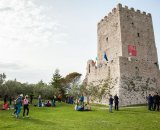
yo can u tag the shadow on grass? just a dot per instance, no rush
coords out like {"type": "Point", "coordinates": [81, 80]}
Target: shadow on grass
{"type": "Point", "coordinates": [38, 121]}
{"type": "Point", "coordinates": [132, 111]}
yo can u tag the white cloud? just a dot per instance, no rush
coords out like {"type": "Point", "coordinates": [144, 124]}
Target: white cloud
{"type": "Point", "coordinates": [24, 24]}
{"type": "Point", "coordinates": [27, 36]}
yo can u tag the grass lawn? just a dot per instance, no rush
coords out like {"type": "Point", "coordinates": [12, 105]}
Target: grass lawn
{"type": "Point", "coordinates": [64, 117]}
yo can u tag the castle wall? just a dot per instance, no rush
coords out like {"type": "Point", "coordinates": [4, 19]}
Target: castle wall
{"type": "Point", "coordinates": [98, 75]}
{"type": "Point", "coordinates": [137, 30]}
{"type": "Point", "coordinates": [109, 36]}
{"type": "Point", "coordinates": [137, 80]}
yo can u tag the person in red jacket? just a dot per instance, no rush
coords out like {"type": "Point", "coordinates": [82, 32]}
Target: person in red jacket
{"type": "Point", "coordinates": [5, 106]}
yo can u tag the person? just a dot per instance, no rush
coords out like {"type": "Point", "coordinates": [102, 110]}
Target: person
{"type": "Point", "coordinates": [156, 100]}
{"type": "Point", "coordinates": [18, 105]}
{"type": "Point", "coordinates": [79, 107]}
{"type": "Point", "coordinates": [39, 101]}
{"type": "Point", "coordinates": [48, 104]}
{"type": "Point", "coordinates": [25, 106]}
{"type": "Point", "coordinates": [15, 107]}
{"type": "Point", "coordinates": [5, 106]}
{"type": "Point", "coordinates": [150, 102]}
{"type": "Point", "coordinates": [110, 103]}
{"type": "Point", "coordinates": [10, 100]}
{"type": "Point", "coordinates": [5, 98]}
{"type": "Point", "coordinates": [82, 99]}
{"type": "Point", "coordinates": [31, 98]}
{"type": "Point", "coordinates": [59, 98]}
{"type": "Point", "coordinates": [53, 101]}
{"type": "Point", "coordinates": [116, 102]}
{"type": "Point", "coordinates": [87, 107]}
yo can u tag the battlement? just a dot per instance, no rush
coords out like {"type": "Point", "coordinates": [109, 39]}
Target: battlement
{"type": "Point", "coordinates": [121, 8]}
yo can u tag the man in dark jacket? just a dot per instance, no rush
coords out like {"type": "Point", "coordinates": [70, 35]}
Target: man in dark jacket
{"type": "Point", "coordinates": [110, 103]}
{"type": "Point", "coordinates": [156, 102]}
{"type": "Point", "coordinates": [116, 102]}
{"type": "Point", "coordinates": [150, 102]}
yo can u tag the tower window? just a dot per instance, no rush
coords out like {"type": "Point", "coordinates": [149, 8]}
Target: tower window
{"type": "Point", "coordinates": [138, 35]}
{"type": "Point", "coordinates": [107, 39]}
{"type": "Point", "coordinates": [132, 23]}
{"type": "Point", "coordinates": [89, 68]}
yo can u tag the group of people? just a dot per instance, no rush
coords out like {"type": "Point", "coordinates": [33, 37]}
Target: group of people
{"type": "Point", "coordinates": [69, 99]}
{"type": "Point", "coordinates": [48, 103]}
{"type": "Point", "coordinates": [18, 102]}
{"type": "Point", "coordinates": [153, 102]}
{"type": "Point", "coordinates": [116, 102]}
{"type": "Point", "coordinates": [80, 106]}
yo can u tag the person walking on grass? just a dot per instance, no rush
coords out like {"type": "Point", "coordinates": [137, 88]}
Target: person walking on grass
{"type": "Point", "coordinates": [18, 105]}
{"type": "Point", "coordinates": [25, 106]}
{"type": "Point", "coordinates": [110, 103]}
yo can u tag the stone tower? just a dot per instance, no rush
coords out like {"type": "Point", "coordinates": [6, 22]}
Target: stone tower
{"type": "Point", "coordinates": [126, 53]}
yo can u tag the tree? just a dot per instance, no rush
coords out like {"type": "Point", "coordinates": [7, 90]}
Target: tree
{"type": "Point", "coordinates": [72, 83]}
{"type": "Point", "coordinates": [100, 90]}
{"type": "Point", "coordinates": [57, 83]}
{"type": "Point", "coordinates": [2, 78]}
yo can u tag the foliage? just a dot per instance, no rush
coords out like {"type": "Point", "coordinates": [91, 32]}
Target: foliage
{"type": "Point", "coordinates": [72, 83]}
{"type": "Point", "coordinates": [2, 78]}
{"type": "Point", "coordinates": [100, 90]}
{"type": "Point", "coordinates": [58, 85]}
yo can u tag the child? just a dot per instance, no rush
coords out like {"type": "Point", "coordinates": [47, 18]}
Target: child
{"type": "Point", "coordinates": [25, 106]}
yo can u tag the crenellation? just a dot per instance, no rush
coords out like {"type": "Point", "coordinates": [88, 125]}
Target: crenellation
{"type": "Point", "coordinates": [126, 7]}
{"type": "Point", "coordinates": [102, 20]}
{"type": "Point", "coordinates": [149, 14]}
{"type": "Point", "coordinates": [138, 11]}
{"type": "Point", "coordinates": [113, 10]}
{"type": "Point", "coordinates": [132, 9]}
{"type": "Point", "coordinates": [105, 18]}
{"type": "Point", "coordinates": [144, 13]}
{"type": "Point", "coordinates": [119, 7]}
{"type": "Point", "coordinates": [109, 15]}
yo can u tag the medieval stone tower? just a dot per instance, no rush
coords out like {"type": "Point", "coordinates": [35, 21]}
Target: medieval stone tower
{"type": "Point", "coordinates": [127, 54]}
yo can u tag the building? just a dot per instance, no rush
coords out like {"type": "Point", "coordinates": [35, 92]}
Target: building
{"type": "Point", "coordinates": [127, 54]}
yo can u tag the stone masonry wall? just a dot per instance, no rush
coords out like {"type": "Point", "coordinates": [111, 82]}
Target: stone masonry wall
{"type": "Point", "coordinates": [109, 36]}
{"type": "Point", "coordinates": [138, 79]}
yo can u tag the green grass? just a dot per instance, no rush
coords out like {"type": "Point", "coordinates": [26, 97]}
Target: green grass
{"type": "Point", "coordinates": [64, 117]}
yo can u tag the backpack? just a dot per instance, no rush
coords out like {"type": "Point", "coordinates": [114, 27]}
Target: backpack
{"type": "Point", "coordinates": [18, 101]}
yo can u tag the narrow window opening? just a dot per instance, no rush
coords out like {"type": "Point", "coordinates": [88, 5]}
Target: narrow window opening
{"type": "Point", "coordinates": [138, 34]}
{"type": "Point", "coordinates": [107, 39]}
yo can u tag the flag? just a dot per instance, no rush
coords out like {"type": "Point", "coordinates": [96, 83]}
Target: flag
{"type": "Point", "coordinates": [96, 58]}
{"type": "Point", "coordinates": [105, 57]}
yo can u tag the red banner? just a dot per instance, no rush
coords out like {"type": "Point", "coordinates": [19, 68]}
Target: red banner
{"type": "Point", "coordinates": [132, 50]}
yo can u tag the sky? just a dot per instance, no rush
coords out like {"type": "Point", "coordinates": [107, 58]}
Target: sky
{"type": "Point", "coordinates": [39, 36]}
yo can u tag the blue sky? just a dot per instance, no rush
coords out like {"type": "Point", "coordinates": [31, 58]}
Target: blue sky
{"type": "Point", "coordinates": [38, 36]}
